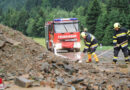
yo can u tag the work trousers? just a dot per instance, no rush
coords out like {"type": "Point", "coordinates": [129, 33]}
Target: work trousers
{"type": "Point", "coordinates": [92, 50]}
{"type": "Point", "coordinates": [124, 50]}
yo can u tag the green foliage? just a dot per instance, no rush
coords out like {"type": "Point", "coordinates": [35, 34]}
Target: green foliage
{"type": "Point", "coordinates": [41, 41]}
{"type": "Point", "coordinates": [11, 18]}
{"type": "Point", "coordinates": [23, 17]}
{"type": "Point", "coordinates": [100, 27]}
{"type": "Point", "coordinates": [92, 16]}
{"type": "Point", "coordinates": [15, 4]}
{"type": "Point", "coordinates": [32, 4]}
{"type": "Point", "coordinates": [107, 40]}
{"type": "Point", "coordinates": [29, 16]}
{"type": "Point", "coordinates": [31, 23]}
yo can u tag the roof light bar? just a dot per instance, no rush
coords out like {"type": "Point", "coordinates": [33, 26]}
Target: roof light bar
{"type": "Point", "coordinates": [65, 19]}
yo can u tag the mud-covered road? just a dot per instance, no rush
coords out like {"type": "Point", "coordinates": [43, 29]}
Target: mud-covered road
{"type": "Point", "coordinates": [105, 60]}
{"type": "Point", "coordinates": [20, 56]}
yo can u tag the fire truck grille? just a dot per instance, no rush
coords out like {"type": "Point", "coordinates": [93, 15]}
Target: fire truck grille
{"type": "Point", "coordinates": [69, 40]}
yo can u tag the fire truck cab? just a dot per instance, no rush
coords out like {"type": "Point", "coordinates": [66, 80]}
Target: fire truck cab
{"type": "Point", "coordinates": [62, 34]}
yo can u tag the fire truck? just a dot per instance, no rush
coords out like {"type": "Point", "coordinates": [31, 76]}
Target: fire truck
{"type": "Point", "coordinates": [63, 33]}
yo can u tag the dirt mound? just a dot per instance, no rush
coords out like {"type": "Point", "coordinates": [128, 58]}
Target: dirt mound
{"type": "Point", "coordinates": [20, 55]}
{"type": "Point", "coordinates": [17, 52]}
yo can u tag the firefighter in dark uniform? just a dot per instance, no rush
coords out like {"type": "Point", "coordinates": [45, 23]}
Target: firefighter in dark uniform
{"type": "Point", "coordinates": [120, 41]}
{"type": "Point", "coordinates": [90, 46]}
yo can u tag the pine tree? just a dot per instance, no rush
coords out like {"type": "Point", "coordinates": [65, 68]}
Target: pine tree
{"type": "Point", "coordinates": [100, 27]}
{"type": "Point", "coordinates": [30, 27]}
{"type": "Point", "coordinates": [121, 5]}
{"type": "Point", "coordinates": [108, 39]}
{"type": "Point", "coordinates": [1, 13]}
{"type": "Point", "coordinates": [92, 15]}
{"type": "Point", "coordinates": [23, 17]}
{"type": "Point", "coordinates": [113, 17]}
{"type": "Point", "coordinates": [11, 18]}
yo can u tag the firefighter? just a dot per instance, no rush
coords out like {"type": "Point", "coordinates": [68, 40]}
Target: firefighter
{"type": "Point", "coordinates": [90, 46]}
{"type": "Point", "coordinates": [85, 30]}
{"type": "Point", "coordinates": [120, 41]}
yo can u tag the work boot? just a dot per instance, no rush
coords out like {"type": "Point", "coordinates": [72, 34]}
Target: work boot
{"type": "Point", "coordinates": [127, 61]}
{"type": "Point", "coordinates": [95, 57]}
{"type": "Point", "coordinates": [89, 58]}
{"type": "Point", "coordinates": [114, 61]}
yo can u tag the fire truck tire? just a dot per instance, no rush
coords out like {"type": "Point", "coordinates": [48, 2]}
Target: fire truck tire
{"type": "Point", "coordinates": [77, 50]}
{"type": "Point", "coordinates": [47, 47]}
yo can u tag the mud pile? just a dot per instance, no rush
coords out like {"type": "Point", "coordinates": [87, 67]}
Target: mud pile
{"type": "Point", "coordinates": [17, 52]}
{"type": "Point", "coordinates": [20, 55]}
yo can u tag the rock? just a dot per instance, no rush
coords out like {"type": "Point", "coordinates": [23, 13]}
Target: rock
{"type": "Point", "coordinates": [94, 71]}
{"type": "Point", "coordinates": [36, 84]}
{"type": "Point", "coordinates": [45, 66]}
{"type": "Point", "coordinates": [60, 80]}
{"type": "Point", "coordinates": [43, 83]}
{"type": "Point", "coordinates": [109, 87]}
{"type": "Point", "coordinates": [15, 43]}
{"type": "Point", "coordinates": [69, 69]}
{"type": "Point", "coordinates": [2, 43]}
{"type": "Point", "coordinates": [67, 88]}
{"type": "Point", "coordinates": [23, 82]}
{"type": "Point", "coordinates": [77, 81]}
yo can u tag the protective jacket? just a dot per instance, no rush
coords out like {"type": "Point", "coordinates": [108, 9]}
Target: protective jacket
{"type": "Point", "coordinates": [120, 36]}
{"type": "Point", "coordinates": [90, 42]}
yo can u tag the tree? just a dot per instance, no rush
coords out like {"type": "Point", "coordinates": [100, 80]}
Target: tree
{"type": "Point", "coordinates": [23, 17]}
{"type": "Point", "coordinates": [1, 13]}
{"type": "Point", "coordinates": [121, 5]}
{"type": "Point", "coordinates": [11, 18]}
{"type": "Point", "coordinates": [113, 17]}
{"type": "Point", "coordinates": [108, 39]}
{"type": "Point", "coordinates": [92, 15]}
{"type": "Point", "coordinates": [32, 4]}
{"type": "Point", "coordinates": [100, 27]}
{"type": "Point", "coordinates": [30, 27]}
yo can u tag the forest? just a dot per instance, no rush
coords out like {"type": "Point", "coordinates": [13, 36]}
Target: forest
{"type": "Point", "coordinates": [29, 16]}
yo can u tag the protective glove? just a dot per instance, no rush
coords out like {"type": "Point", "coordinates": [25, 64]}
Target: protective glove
{"type": "Point", "coordinates": [85, 50]}
{"type": "Point", "coordinates": [117, 45]}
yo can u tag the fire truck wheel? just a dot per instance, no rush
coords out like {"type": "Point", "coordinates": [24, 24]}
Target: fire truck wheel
{"type": "Point", "coordinates": [77, 50]}
{"type": "Point", "coordinates": [52, 49]}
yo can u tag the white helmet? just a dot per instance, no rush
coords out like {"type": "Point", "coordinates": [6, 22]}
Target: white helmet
{"type": "Point", "coordinates": [117, 25]}
{"type": "Point", "coordinates": [85, 29]}
{"type": "Point", "coordinates": [83, 34]}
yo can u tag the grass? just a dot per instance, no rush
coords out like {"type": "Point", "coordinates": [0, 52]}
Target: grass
{"type": "Point", "coordinates": [41, 41]}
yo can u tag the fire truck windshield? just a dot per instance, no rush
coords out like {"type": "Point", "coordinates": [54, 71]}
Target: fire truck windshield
{"type": "Point", "coordinates": [65, 27]}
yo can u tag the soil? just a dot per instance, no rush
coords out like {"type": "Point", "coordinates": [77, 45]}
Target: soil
{"type": "Point", "coordinates": [21, 56]}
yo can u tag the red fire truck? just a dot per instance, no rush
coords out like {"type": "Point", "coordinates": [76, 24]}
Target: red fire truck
{"type": "Point", "coordinates": [62, 34]}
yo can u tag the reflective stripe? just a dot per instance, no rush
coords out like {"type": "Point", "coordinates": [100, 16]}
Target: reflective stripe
{"type": "Point", "coordinates": [128, 33]}
{"type": "Point", "coordinates": [125, 44]}
{"type": "Point", "coordinates": [114, 36]}
{"type": "Point", "coordinates": [121, 34]}
{"type": "Point", "coordinates": [92, 37]}
{"type": "Point", "coordinates": [115, 58]}
{"type": "Point", "coordinates": [114, 41]}
{"type": "Point", "coordinates": [86, 47]}
{"type": "Point", "coordinates": [93, 53]}
{"type": "Point", "coordinates": [95, 45]}
{"type": "Point", "coordinates": [126, 58]}
{"type": "Point", "coordinates": [88, 43]}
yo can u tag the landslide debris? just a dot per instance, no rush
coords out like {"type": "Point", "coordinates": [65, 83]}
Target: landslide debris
{"type": "Point", "coordinates": [21, 56]}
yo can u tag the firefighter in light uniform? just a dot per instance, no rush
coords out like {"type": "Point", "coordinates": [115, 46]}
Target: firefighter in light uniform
{"type": "Point", "coordinates": [91, 44]}
{"type": "Point", "coordinates": [120, 41]}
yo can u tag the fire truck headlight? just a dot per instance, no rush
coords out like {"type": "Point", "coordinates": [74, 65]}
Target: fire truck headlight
{"type": "Point", "coordinates": [58, 46]}
{"type": "Point", "coordinates": [77, 45]}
